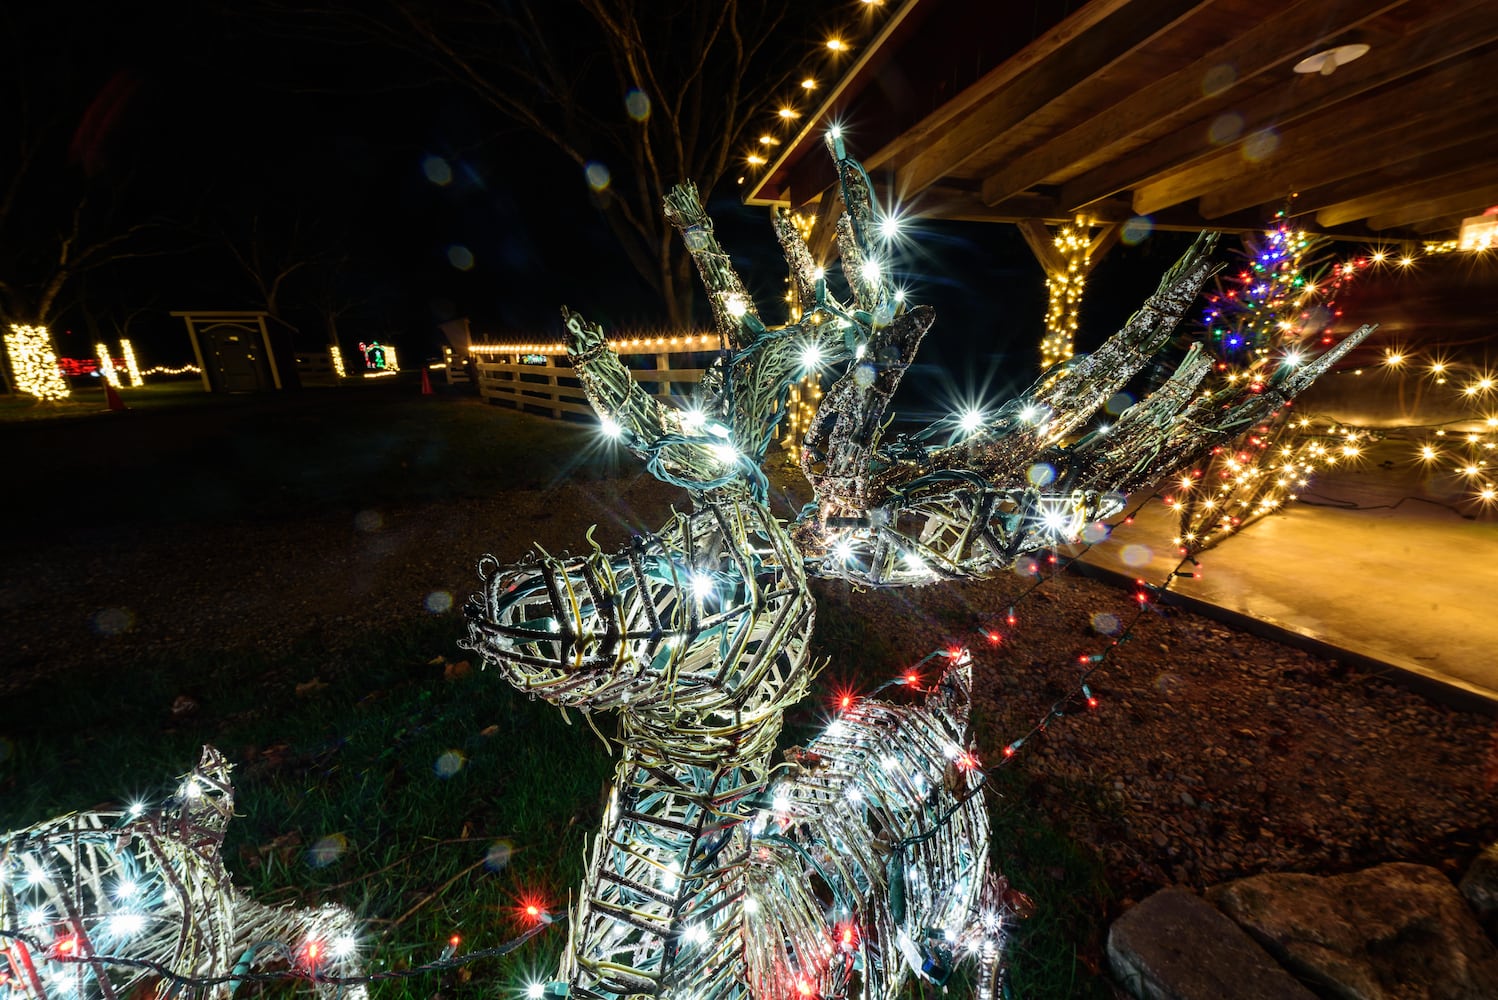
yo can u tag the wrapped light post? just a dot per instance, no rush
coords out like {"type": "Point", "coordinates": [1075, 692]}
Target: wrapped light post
{"type": "Point", "coordinates": [867, 862]}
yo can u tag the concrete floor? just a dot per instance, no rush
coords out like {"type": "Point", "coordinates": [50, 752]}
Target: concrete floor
{"type": "Point", "coordinates": [1413, 586]}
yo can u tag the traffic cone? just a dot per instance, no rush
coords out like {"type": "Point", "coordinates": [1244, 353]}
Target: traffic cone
{"type": "Point", "coordinates": [113, 398]}
{"type": "Point", "coordinates": [426, 383]}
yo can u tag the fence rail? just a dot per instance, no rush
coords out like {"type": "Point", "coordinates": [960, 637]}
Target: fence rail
{"type": "Point", "coordinates": [517, 379]}
{"type": "Point", "coordinates": [315, 368]}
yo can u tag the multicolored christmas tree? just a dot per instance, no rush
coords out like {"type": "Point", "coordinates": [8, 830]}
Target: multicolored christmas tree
{"type": "Point", "coordinates": [1272, 313]}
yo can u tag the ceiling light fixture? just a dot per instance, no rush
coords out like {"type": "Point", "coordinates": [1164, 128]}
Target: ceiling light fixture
{"type": "Point", "coordinates": [1326, 61]}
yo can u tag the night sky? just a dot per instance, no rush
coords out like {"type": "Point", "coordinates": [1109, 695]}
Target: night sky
{"type": "Point", "coordinates": [212, 122]}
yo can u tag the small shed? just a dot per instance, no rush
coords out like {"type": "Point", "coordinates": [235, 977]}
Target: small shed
{"type": "Point", "coordinates": [240, 351]}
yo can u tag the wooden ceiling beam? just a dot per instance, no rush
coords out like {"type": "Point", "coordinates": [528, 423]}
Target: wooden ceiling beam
{"type": "Point", "coordinates": [1464, 166]}
{"type": "Point", "coordinates": [1468, 202]}
{"type": "Point", "coordinates": [944, 202]}
{"type": "Point", "coordinates": [1463, 27]}
{"type": "Point", "coordinates": [1428, 136]}
{"type": "Point", "coordinates": [1056, 61]}
{"type": "Point", "coordinates": [1435, 227]}
{"type": "Point", "coordinates": [1433, 110]}
{"type": "Point", "coordinates": [1279, 38]}
{"type": "Point", "coordinates": [1043, 245]}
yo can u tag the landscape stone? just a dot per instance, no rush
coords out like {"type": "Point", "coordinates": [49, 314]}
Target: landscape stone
{"type": "Point", "coordinates": [1480, 885]}
{"type": "Point", "coordinates": [1394, 932]}
{"type": "Point", "coordinates": [1176, 946]}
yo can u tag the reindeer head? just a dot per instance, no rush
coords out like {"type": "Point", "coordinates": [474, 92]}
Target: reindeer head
{"type": "Point", "coordinates": [702, 619]}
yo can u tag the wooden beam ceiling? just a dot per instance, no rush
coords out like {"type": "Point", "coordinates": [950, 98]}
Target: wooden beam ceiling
{"type": "Point", "coordinates": [1179, 97]}
{"type": "Point", "coordinates": [1182, 110]}
{"type": "Point", "coordinates": [1008, 96]}
{"type": "Point", "coordinates": [1438, 109]}
{"type": "Point", "coordinates": [1449, 36]}
{"type": "Point", "coordinates": [1456, 203]}
{"type": "Point", "coordinates": [1368, 194]}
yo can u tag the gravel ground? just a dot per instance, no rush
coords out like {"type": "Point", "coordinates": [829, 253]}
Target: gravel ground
{"type": "Point", "coordinates": [1212, 753]}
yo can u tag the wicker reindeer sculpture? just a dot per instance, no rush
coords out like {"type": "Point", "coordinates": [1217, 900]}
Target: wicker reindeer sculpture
{"type": "Point", "coordinates": [138, 903]}
{"type": "Point", "coordinates": [865, 861]}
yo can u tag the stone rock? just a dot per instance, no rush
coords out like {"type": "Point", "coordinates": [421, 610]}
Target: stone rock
{"type": "Point", "coordinates": [1394, 932]}
{"type": "Point", "coordinates": [1177, 946]}
{"type": "Point", "coordinates": [1480, 885]}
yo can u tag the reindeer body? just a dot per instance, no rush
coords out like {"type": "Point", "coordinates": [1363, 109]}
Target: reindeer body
{"type": "Point", "coordinates": [698, 637]}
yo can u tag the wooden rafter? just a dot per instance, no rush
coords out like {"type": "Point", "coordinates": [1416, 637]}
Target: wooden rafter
{"type": "Point", "coordinates": [1469, 202]}
{"type": "Point", "coordinates": [1180, 96]}
{"type": "Point", "coordinates": [1440, 110]}
{"type": "Point", "coordinates": [1059, 59]}
{"type": "Point", "coordinates": [1459, 30]}
{"type": "Point", "coordinates": [1425, 142]}
{"type": "Point", "coordinates": [1369, 193]}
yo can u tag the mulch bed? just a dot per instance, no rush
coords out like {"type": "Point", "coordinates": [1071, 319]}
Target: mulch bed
{"type": "Point", "coordinates": [1212, 753]}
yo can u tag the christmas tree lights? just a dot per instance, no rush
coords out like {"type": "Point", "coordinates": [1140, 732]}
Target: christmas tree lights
{"type": "Point", "coordinates": [106, 365]}
{"type": "Point", "coordinates": [131, 368]}
{"type": "Point", "coordinates": [1268, 316]}
{"type": "Point", "coordinates": [33, 362]}
{"type": "Point", "coordinates": [109, 903]}
{"type": "Point", "coordinates": [866, 863]}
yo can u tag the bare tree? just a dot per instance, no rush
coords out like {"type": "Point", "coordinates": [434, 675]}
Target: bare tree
{"type": "Point", "coordinates": [646, 94]}
{"type": "Point", "coordinates": [61, 212]}
{"type": "Point", "coordinates": [269, 255]}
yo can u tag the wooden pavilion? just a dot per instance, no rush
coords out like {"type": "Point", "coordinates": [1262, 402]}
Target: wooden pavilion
{"type": "Point", "coordinates": [1376, 116]}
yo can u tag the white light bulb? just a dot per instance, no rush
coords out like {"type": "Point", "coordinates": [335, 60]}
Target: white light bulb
{"type": "Point", "coordinates": [889, 227]}
{"type": "Point", "coordinates": [811, 356]}
{"type": "Point", "coordinates": [610, 427]}
{"type": "Point", "coordinates": [725, 453]}
{"type": "Point", "coordinates": [971, 420]}
{"type": "Point", "coordinates": [344, 946]}
{"type": "Point", "coordinates": [870, 270]}
{"type": "Point", "coordinates": [691, 420]}
{"type": "Point", "coordinates": [900, 295]}
{"type": "Point", "coordinates": [843, 550]}
{"type": "Point", "coordinates": [535, 991]}
{"type": "Point", "coordinates": [736, 306]}
{"type": "Point", "coordinates": [127, 924]}
{"type": "Point", "coordinates": [125, 890]}
{"type": "Point", "coordinates": [703, 586]}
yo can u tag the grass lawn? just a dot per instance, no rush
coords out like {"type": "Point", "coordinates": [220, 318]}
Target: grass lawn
{"type": "Point", "coordinates": [428, 797]}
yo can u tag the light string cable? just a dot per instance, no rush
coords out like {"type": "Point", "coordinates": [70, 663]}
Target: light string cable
{"type": "Point", "coordinates": [241, 973]}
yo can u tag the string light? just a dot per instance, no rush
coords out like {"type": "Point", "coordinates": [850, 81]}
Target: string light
{"type": "Point", "coordinates": [1065, 288]}
{"type": "Point", "coordinates": [168, 370]}
{"type": "Point", "coordinates": [106, 365]}
{"type": "Point", "coordinates": [33, 363]}
{"type": "Point", "coordinates": [335, 355]}
{"type": "Point", "coordinates": [131, 368]}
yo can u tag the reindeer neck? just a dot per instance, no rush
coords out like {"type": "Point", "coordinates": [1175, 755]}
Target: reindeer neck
{"type": "Point", "coordinates": [662, 909]}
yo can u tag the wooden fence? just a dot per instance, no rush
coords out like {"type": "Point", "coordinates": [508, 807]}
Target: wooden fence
{"type": "Point", "coordinates": [538, 377]}
{"type": "Point", "coordinates": [315, 368]}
